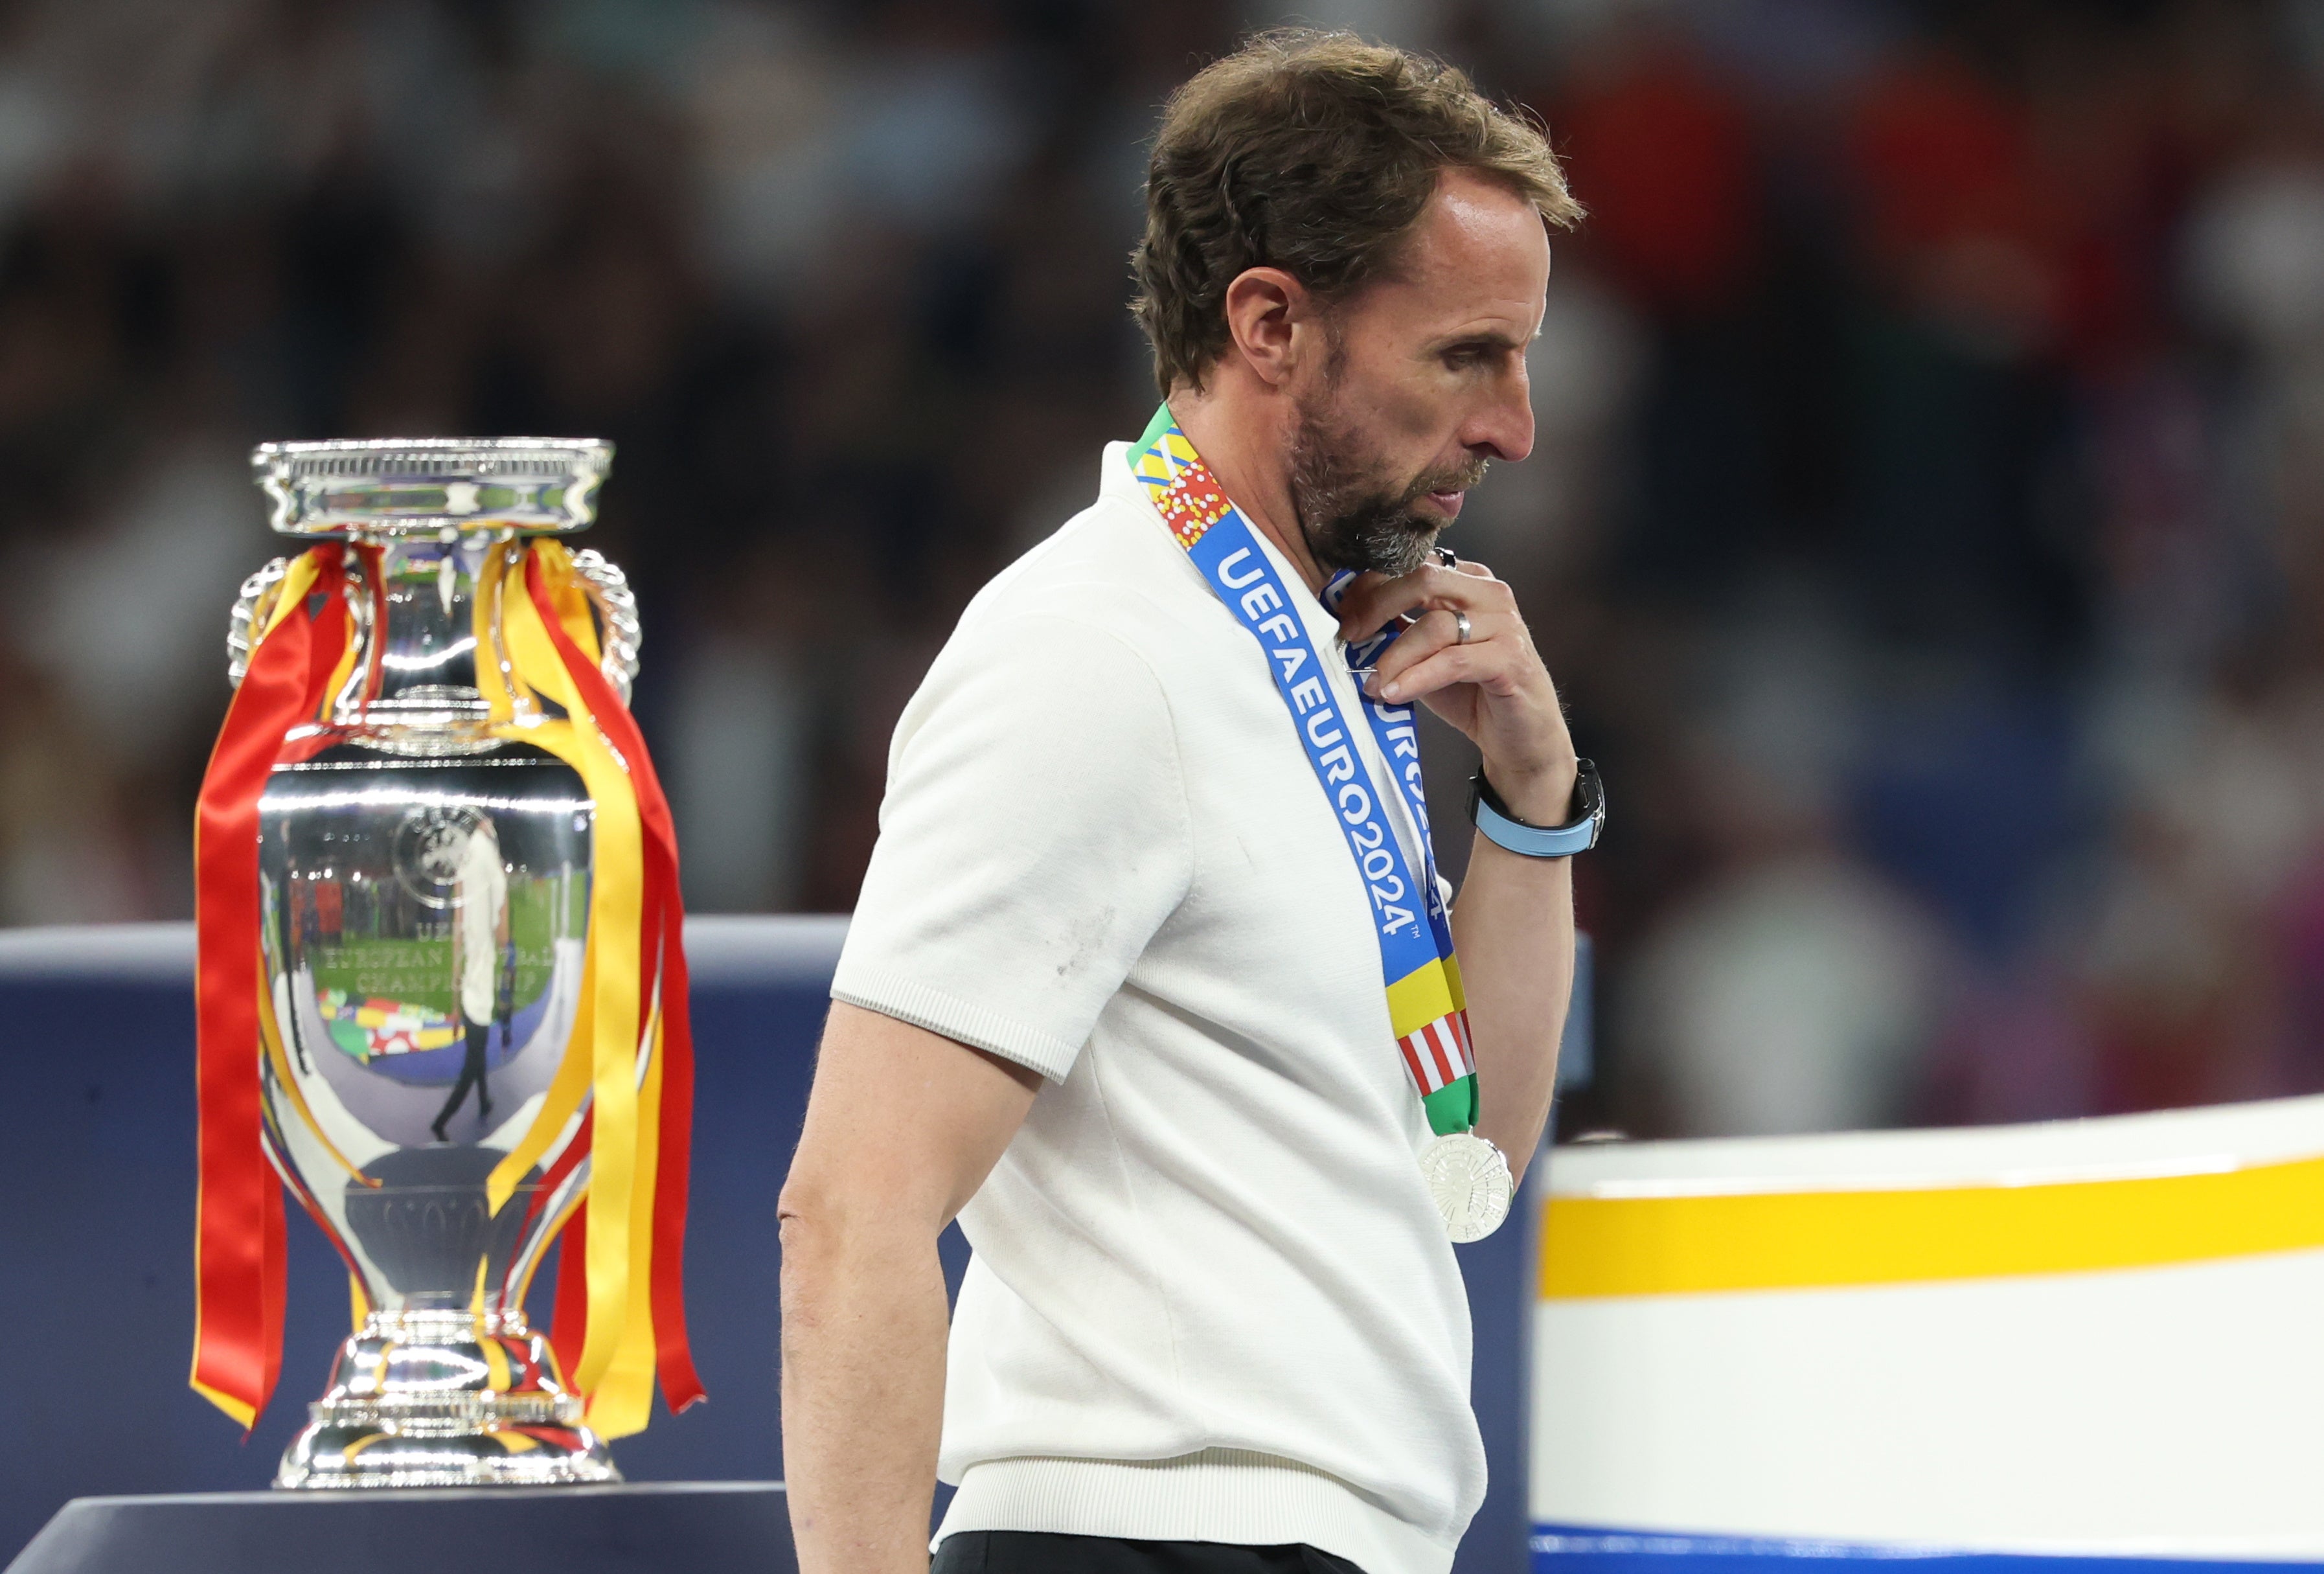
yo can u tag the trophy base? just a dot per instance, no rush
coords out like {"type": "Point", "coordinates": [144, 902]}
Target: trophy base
{"type": "Point", "coordinates": [445, 1399]}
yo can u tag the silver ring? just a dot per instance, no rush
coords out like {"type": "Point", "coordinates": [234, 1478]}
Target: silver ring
{"type": "Point", "coordinates": [1460, 627]}
{"type": "Point", "coordinates": [1447, 558]}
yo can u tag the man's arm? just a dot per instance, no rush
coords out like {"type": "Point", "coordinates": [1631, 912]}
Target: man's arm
{"type": "Point", "coordinates": [1514, 923]}
{"type": "Point", "coordinates": [902, 1128]}
{"type": "Point", "coordinates": [1514, 927]}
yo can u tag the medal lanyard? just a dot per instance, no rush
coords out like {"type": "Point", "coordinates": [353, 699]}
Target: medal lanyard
{"type": "Point", "coordinates": [1427, 1009]}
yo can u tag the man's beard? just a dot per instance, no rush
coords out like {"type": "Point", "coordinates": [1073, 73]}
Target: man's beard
{"type": "Point", "coordinates": [1352, 514]}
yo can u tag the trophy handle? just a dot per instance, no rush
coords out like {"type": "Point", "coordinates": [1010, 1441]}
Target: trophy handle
{"type": "Point", "coordinates": [617, 612]}
{"type": "Point", "coordinates": [250, 609]}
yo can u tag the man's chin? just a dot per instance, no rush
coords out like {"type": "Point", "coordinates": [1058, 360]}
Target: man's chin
{"type": "Point", "coordinates": [1414, 553]}
{"type": "Point", "coordinates": [1395, 557]}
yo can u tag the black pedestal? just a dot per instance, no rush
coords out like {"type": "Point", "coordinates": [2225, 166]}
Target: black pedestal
{"type": "Point", "coordinates": [650, 1528]}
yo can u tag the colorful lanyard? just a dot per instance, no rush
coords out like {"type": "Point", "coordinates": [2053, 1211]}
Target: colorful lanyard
{"type": "Point", "coordinates": [1426, 1008]}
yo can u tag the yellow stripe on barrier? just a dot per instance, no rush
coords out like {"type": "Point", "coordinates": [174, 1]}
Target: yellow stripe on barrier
{"type": "Point", "coordinates": [1595, 1246]}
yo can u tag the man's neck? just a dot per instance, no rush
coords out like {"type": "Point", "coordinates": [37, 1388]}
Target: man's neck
{"type": "Point", "coordinates": [1248, 450]}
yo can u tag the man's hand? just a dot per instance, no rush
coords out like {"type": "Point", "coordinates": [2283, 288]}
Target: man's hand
{"type": "Point", "coordinates": [1514, 923]}
{"type": "Point", "coordinates": [1493, 687]}
{"type": "Point", "coordinates": [902, 1128]}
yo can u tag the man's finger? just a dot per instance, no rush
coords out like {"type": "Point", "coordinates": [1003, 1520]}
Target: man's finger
{"type": "Point", "coordinates": [1369, 604]}
{"type": "Point", "coordinates": [1487, 653]}
{"type": "Point", "coordinates": [1450, 665]}
{"type": "Point", "coordinates": [1373, 600]}
{"type": "Point", "coordinates": [1435, 628]}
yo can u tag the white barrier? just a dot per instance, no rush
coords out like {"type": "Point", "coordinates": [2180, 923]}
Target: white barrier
{"type": "Point", "coordinates": [2100, 1338]}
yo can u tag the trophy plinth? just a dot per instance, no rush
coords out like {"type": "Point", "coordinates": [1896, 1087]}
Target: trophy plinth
{"type": "Point", "coordinates": [445, 1399]}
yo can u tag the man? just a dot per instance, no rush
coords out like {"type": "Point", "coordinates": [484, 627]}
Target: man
{"type": "Point", "coordinates": [483, 962]}
{"type": "Point", "coordinates": [1147, 983]}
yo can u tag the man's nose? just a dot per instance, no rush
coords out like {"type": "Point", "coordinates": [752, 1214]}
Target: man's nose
{"type": "Point", "coordinates": [1503, 427]}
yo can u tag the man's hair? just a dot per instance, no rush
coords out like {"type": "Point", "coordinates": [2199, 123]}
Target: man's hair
{"type": "Point", "coordinates": [1314, 152]}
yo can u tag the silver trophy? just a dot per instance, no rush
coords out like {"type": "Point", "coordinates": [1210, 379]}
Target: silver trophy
{"type": "Point", "coordinates": [425, 886]}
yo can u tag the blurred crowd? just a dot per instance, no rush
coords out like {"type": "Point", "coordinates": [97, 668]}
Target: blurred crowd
{"type": "Point", "coordinates": [1926, 527]}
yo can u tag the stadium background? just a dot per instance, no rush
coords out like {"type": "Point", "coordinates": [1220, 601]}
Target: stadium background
{"type": "Point", "coordinates": [1925, 526]}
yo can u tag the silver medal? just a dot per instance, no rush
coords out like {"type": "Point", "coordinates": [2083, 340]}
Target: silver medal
{"type": "Point", "coordinates": [1471, 1181]}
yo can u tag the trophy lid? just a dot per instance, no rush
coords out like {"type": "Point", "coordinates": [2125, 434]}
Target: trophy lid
{"type": "Point", "coordinates": [395, 486]}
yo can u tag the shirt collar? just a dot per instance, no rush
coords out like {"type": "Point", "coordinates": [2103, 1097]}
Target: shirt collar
{"type": "Point", "coordinates": [1116, 480]}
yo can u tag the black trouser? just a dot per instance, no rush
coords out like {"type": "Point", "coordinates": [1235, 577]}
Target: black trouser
{"type": "Point", "coordinates": [472, 1075]}
{"type": "Point", "coordinates": [1042, 1553]}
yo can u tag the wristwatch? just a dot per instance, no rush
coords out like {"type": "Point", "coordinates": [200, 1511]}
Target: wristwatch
{"type": "Point", "coordinates": [1503, 829]}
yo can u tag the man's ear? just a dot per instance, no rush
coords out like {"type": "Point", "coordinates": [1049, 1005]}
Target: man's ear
{"type": "Point", "coordinates": [1267, 310]}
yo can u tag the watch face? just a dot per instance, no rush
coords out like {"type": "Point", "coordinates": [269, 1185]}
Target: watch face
{"type": "Point", "coordinates": [1590, 793]}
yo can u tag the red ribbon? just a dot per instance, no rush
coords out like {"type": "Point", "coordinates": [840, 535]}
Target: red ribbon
{"type": "Point", "coordinates": [569, 1326]}
{"type": "Point", "coordinates": [570, 1329]}
{"type": "Point", "coordinates": [239, 1227]}
{"type": "Point", "coordinates": [662, 946]}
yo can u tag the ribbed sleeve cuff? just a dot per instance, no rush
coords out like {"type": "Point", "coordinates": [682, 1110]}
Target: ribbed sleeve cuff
{"type": "Point", "coordinates": [906, 999]}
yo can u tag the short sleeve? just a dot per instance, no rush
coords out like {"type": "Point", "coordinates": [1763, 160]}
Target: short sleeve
{"type": "Point", "coordinates": [1033, 836]}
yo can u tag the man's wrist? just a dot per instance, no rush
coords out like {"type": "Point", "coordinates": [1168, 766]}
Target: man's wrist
{"type": "Point", "coordinates": [1541, 795]}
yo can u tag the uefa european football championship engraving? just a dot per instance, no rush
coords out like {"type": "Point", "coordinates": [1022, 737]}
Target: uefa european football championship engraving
{"type": "Point", "coordinates": [465, 1018]}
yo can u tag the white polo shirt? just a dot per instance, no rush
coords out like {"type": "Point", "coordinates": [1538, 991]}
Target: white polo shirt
{"type": "Point", "coordinates": [1210, 1298]}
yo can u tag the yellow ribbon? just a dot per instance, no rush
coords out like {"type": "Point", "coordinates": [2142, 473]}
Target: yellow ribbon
{"type": "Point", "coordinates": [613, 1061]}
{"type": "Point", "coordinates": [297, 579]}
{"type": "Point", "coordinates": [504, 689]}
{"type": "Point", "coordinates": [622, 1400]}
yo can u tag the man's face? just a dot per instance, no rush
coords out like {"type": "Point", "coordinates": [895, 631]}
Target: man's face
{"type": "Point", "coordinates": [1425, 382]}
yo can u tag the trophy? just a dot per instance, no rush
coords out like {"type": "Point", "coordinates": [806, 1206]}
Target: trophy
{"type": "Point", "coordinates": [442, 988]}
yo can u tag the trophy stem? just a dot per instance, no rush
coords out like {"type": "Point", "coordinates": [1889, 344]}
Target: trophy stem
{"type": "Point", "coordinates": [426, 1398]}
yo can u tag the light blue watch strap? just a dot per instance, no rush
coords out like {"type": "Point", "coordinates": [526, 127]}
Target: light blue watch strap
{"type": "Point", "coordinates": [1532, 840]}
